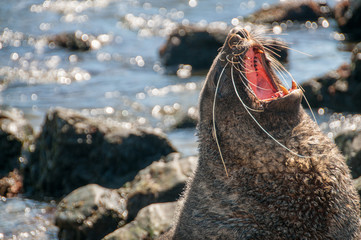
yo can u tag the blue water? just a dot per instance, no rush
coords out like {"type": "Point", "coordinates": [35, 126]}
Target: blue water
{"type": "Point", "coordinates": [123, 79]}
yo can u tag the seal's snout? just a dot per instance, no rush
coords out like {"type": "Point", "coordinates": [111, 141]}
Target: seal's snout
{"type": "Point", "coordinates": [236, 37]}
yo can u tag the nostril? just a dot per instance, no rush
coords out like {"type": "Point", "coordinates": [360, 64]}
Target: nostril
{"type": "Point", "coordinates": [242, 32]}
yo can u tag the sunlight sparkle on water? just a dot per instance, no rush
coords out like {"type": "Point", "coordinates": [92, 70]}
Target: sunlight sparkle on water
{"type": "Point", "coordinates": [193, 3]}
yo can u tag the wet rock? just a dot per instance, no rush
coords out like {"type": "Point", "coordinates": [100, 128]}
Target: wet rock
{"type": "Point", "coordinates": [339, 90]}
{"type": "Point", "coordinates": [348, 18]}
{"type": "Point", "coordinates": [150, 223]}
{"type": "Point", "coordinates": [78, 41]}
{"type": "Point", "coordinates": [89, 213]}
{"type": "Point", "coordinates": [73, 150]}
{"type": "Point", "coordinates": [70, 41]}
{"type": "Point", "coordinates": [192, 45]}
{"type": "Point", "coordinates": [15, 131]}
{"type": "Point", "coordinates": [350, 145]}
{"type": "Point", "coordinates": [300, 11]}
{"type": "Point", "coordinates": [189, 119]}
{"type": "Point", "coordinates": [11, 185]}
{"type": "Point", "coordinates": [159, 182]}
{"type": "Point", "coordinates": [198, 46]}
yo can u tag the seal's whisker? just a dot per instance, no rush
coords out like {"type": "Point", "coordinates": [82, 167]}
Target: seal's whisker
{"type": "Point", "coordinates": [279, 44]}
{"type": "Point", "coordinates": [259, 125]}
{"type": "Point", "coordinates": [272, 52]}
{"type": "Point", "coordinates": [235, 89]}
{"type": "Point", "coordinates": [246, 69]}
{"type": "Point", "coordinates": [280, 71]}
{"type": "Point", "coordinates": [303, 95]}
{"type": "Point", "coordinates": [244, 77]}
{"type": "Point", "coordinates": [214, 131]}
{"type": "Point", "coordinates": [229, 60]}
{"type": "Point", "coordinates": [258, 87]}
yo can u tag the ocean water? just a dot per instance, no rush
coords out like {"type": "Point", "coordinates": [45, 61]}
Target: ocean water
{"type": "Point", "coordinates": [121, 77]}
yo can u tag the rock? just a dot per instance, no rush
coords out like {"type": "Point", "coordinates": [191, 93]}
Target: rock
{"type": "Point", "coordinates": [356, 63]}
{"type": "Point", "coordinates": [78, 41]}
{"type": "Point", "coordinates": [357, 184]}
{"type": "Point", "coordinates": [186, 121]}
{"type": "Point", "coordinates": [11, 185]}
{"type": "Point", "coordinates": [189, 119]}
{"type": "Point", "coordinates": [15, 131]}
{"type": "Point", "coordinates": [198, 46]}
{"type": "Point", "coordinates": [339, 90]}
{"type": "Point", "coordinates": [348, 18]}
{"type": "Point", "coordinates": [150, 223]}
{"type": "Point", "coordinates": [159, 182]}
{"type": "Point", "coordinates": [73, 150]}
{"type": "Point", "coordinates": [350, 145]}
{"type": "Point", "coordinates": [300, 11]}
{"type": "Point", "coordinates": [89, 213]}
{"type": "Point", "coordinates": [192, 45]}
{"type": "Point", "coordinates": [70, 41]}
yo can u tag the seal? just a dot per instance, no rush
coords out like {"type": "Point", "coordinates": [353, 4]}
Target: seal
{"type": "Point", "coordinates": [265, 169]}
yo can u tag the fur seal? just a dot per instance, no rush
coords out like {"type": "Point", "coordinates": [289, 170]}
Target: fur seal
{"type": "Point", "coordinates": [281, 177]}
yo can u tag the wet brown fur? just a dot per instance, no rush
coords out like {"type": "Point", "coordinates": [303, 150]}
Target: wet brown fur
{"type": "Point", "coordinates": [270, 193]}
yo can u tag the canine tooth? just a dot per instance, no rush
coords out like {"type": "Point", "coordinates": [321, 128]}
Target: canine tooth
{"type": "Point", "coordinates": [259, 51]}
{"type": "Point", "coordinates": [284, 90]}
{"type": "Point", "coordinates": [294, 85]}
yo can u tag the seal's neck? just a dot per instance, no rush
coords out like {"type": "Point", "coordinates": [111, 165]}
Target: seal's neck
{"type": "Point", "coordinates": [241, 139]}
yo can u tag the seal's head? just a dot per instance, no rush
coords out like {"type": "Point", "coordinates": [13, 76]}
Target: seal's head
{"type": "Point", "coordinates": [243, 71]}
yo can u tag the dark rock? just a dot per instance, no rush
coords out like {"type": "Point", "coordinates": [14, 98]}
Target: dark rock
{"type": "Point", "coordinates": [191, 45]}
{"type": "Point", "coordinates": [356, 64]}
{"type": "Point", "coordinates": [300, 11]}
{"type": "Point", "coordinates": [78, 41]}
{"type": "Point", "coordinates": [11, 185]}
{"type": "Point", "coordinates": [150, 223]}
{"type": "Point", "coordinates": [14, 132]}
{"type": "Point", "coordinates": [89, 213]}
{"type": "Point", "coordinates": [338, 90]}
{"type": "Point", "coordinates": [198, 46]}
{"type": "Point", "coordinates": [71, 41]}
{"type": "Point", "coordinates": [159, 182]}
{"type": "Point", "coordinates": [74, 150]}
{"type": "Point", "coordinates": [189, 119]}
{"type": "Point", "coordinates": [186, 122]}
{"type": "Point", "coordinates": [348, 18]}
{"type": "Point", "coordinates": [350, 145]}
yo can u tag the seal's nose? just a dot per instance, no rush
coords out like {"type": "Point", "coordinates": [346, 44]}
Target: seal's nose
{"type": "Point", "coordinates": [242, 32]}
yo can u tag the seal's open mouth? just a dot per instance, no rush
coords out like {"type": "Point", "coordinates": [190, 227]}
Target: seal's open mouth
{"type": "Point", "coordinates": [260, 79]}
